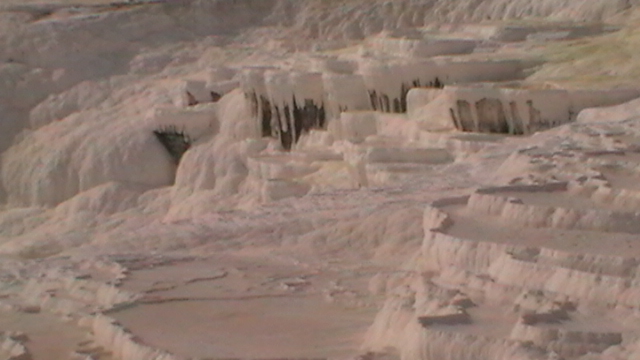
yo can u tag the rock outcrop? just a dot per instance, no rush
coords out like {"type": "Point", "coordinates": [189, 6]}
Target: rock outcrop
{"type": "Point", "coordinates": [290, 149]}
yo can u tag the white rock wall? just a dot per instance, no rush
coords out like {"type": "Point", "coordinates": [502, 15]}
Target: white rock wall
{"type": "Point", "coordinates": [86, 154]}
{"type": "Point", "coordinates": [504, 110]}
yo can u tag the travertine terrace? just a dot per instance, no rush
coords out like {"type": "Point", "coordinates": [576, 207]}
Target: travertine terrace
{"type": "Point", "coordinates": [316, 179]}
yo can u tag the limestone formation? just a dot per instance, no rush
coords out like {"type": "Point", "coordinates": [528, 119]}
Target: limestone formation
{"type": "Point", "coordinates": [313, 179]}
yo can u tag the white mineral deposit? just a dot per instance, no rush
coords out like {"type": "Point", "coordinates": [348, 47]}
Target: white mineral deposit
{"type": "Point", "coordinates": [320, 179]}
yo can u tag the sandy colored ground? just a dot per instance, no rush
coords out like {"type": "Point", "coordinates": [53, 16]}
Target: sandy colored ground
{"type": "Point", "coordinates": [361, 241]}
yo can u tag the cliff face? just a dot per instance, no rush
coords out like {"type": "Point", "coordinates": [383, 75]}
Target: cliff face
{"type": "Point", "coordinates": [256, 161]}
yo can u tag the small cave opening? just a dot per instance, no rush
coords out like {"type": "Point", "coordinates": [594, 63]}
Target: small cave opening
{"type": "Point", "coordinates": [215, 96]}
{"type": "Point", "coordinates": [177, 142]}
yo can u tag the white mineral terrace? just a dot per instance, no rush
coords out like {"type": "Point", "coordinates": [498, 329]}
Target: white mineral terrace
{"type": "Point", "coordinates": [313, 179]}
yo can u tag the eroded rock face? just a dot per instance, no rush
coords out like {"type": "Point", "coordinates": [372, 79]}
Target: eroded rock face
{"type": "Point", "coordinates": [550, 286]}
{"type": "Point", "coordinates": [285, 105]}
{"type": "Point", "coordinates": [511, 111]}
{"type": "Point", "coordinates": [319, 145]}
{"type": "Point", "coordinates": [85, 159]}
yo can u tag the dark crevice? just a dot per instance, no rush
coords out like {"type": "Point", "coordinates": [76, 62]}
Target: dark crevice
{"type": "Point", "coordinates": [177, 142]}
{"type": "Point", "coordinates": [215, 96]}
{"type": "Point", "coordinates": [261, 110]}
{"type": "Point", "coordinates": [297, 118]}
{"type": "Point", "coordinates": [454, 118]}
{"type": "Point", "coordinates": [397, 108]}
{"type": "Point", "coordinates": [381, 101]}
{"type": "Point", "coordinates": [373, 98]}
{"type": "Point", "coordinates": [265, 116]}
{"type": "Point", "coordinates": [491, 116]}
{"type": "Point", "coordinates": [494, 118]}
{"type": "Point", "coordinates": [437, 84]}
{"type": "Point", "coordinates": [322, 118]}
{"type": "Point", "coordinates": [292, 121]}
{"type": "Point", "coordinates": [191, 100]}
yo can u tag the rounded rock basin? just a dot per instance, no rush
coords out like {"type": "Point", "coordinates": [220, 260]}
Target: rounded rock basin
{"type": "Point", "coordinates": [257, 328]}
